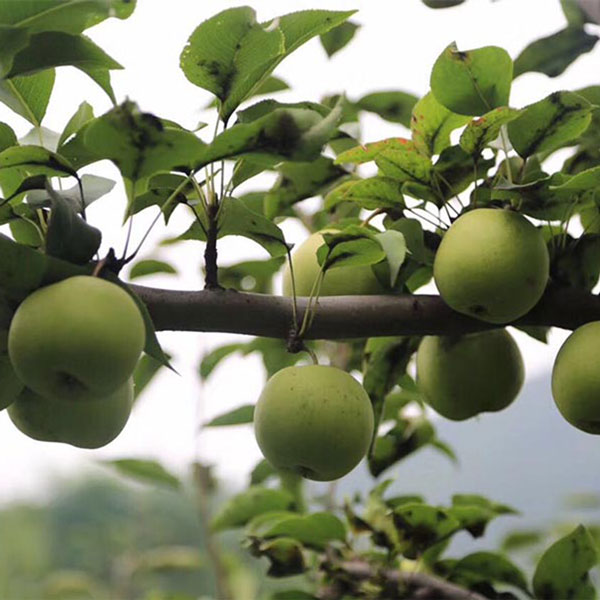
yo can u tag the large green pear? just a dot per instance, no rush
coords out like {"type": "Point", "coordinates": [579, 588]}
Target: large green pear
{"type": "Point", "coordinates": [576, 378]}
{"type": "Point", "coordinates": [461, 377]}
{"type": "Point", "coordinates": [89, 424]}
{"type": "Point", "coordinates": [314, 420]}
{"type": "Point", "coordinates": [339, 281]}
{"type": "Point", "coordinates": [10, 384]}
{"type": "Point", "coordinates": [77, 339]}
{"type": "Point", "coordinates": [492, 264]}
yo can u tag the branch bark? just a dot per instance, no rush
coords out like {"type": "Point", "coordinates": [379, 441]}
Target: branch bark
{"type": "Point", "coordinates": [413, 585]}
{"type": "Point", "coordinates": [345, 317]}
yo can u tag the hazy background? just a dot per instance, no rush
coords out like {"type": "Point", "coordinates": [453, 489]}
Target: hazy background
{"type": "Point", "coordinates": [527, 455]}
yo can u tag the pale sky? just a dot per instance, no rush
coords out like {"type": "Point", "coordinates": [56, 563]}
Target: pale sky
{"type": "Point", "coordinates": [394, 49]}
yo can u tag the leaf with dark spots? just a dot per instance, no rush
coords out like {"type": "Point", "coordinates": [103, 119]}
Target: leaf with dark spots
{"type": "Point", "coordinates": [421, 526]}
{"type": "Point", "coordinates": [562, 571]}
{"type": "Point", "coordinates": [138, 143]}
{"type": "Point", "coordinates": [401, 441]}
{"type": "Point", "coordinates": [383, 368]}
{"type": "Point", "coordinates": [550, 123]}
{"type": "Point", "coordinates": [298, 181]}
{"type": "Point", "coordinates": [432, 123]}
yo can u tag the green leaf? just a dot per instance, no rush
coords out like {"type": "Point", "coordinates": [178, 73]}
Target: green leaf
{"type": "Point", "coordinates": [285, 555]}
{"type": "Point", "coordinates": [432, 123]}
{"type": "Point", "coordinates": [212, 359]}
{"type": "Point", "coordinates": [152, 347]}
{"type": "Point", "coordinates": [368, 152]}
{"type": "Point", "coordinates": [143, 268]}
{"type": "Point", "coordinates": [518, 540]}
{"type": "Point", "coordinates": [16, 282]}
{"type": "Point", "coordinates": [161, 188]}
{"type": "Point", "coordinates": [481, 132]}
{"type": "Point", "coordinates": [314, 530]}
{"type": "Point", "coordinates": [372, 193]}
{"type": "Point", "coordinates": [422, 526]}
{"type": "Point", "coordinates": [55, 49]}
{"type": "Point", "coordinates": [553, 54]}
{"type": "Point", "coordinates": [261, 472]}
{"type": "Point", "coordinates": [28, 96]}
{"type": "Point", "coordinates": [70, 237]}
{"type": "Point", "coordinates": [384, 367]}
{"type": "Point", "coordinates": [562, 571]}
{"type": "Point", "coordinates": [584, 181]}
{"type": "Point", "coordinates": [144, 373]}
{"type": "Point", "coordinates": [405, 438]}
{"type": "Point", "coordinates": [266, 107]}
{"type": "Point", "coordinates": [93, 186]}
{"type": "Point", "coordinates": [71, 16]}
{"type": "Point", "coordinates": [138, 143]}
{"type": "Point", "coordinates": [241, 508]}
{"type": "Point", "coordinates": [12, 41]}
{"type": "Point", "coordinates": [82, 115]}
{"type": "Point", "coordinates": [392, 106]}
{"type": "Point", "coordinates": [170, 559]}
{"type": "Point", "coordinates": [354, 246]}
{"type": "Point", "coordinates": [37, 161]}
{"type": "Point", "coordinates": [298, 181]}
{"type": "Point", "coordinates": [394, 245]}
{"type": "Point", "coordinates": [472, 82]}
{"type": "Point", "coordinates": [339, 37]}
{"type": "Point", "coordinates": [238, 416]}
{"type": "Point", "coordinates": [8, 137]}
{"type": "Point", "coordinates": [283, 133]}
{"type": "Point", "coordinates": [550, 123]}
{"type": "Point", "coordinates": [236, 219]}
{"type": "Point", "coordinates": [405, 163]}
{"type": "Point", "coordinates": [229, 54]}
{"type": "Point", "coordinates": [145, 471]}
{"type": "Point", "coordinates": [491, 567]}
{"type": "Point", "coordinates": [441, 3]}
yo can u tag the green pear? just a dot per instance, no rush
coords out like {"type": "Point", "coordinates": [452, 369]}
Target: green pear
{"type": "Point", "coordinates": [576, 378]}
{"type": "Point", "coordinates": [10, 384]}
{"type": "Point", "coordinates": [90, 424]}
{"type": "Point", "coordinates": [492, 264]}
{"type": "Point", "coordinates": [461, 377]}
{"type": "Point", "coordinates": [77, 339]}
{"type": "Point", "coordinates": [314, 420]}
{"type": "Point", "coordinates": [340, 281]}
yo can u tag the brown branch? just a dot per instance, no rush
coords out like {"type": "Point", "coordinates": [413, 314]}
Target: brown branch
{"type": "Point", "coordinates": [342, 317]}
{"type": "Point", "coordinates": [413, 585]}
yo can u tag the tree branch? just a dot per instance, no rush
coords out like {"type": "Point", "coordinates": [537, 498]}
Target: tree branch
{"type": "Point", "coordinates": [342, 317]}
{"type": "Point", "coordinates": [413, 585]}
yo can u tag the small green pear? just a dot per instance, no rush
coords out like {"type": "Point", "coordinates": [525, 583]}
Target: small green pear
{"type": "Point", "coordinates": [576, 378]}
{"type": "Point", "coordinates": [76, 339]}
{"type": "Point", "coordinates": [314, 420]}
{"type": "Point", "coordinates": [492, 264]}
{"type": "Point", "coordinates": [340, 281]}
{"type": "Point", "coordinates": [90, 424]}
{"type": "Point", "coordinates": [461, 377]}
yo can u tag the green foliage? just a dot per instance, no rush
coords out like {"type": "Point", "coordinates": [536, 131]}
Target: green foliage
{"type": "Point", "coordinates": [563, 569]}
{"type": "Point", "coordinates": [472, 82]}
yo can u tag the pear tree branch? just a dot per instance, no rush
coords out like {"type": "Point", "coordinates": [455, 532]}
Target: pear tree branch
{"type": "Point", "coordinates": [344, 317]}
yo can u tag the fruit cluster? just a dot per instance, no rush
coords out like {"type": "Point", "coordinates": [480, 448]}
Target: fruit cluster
{"type": "Point", "coordinates": [493, 265]}
{"type": "Point", "coordinates": [68, 358]}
